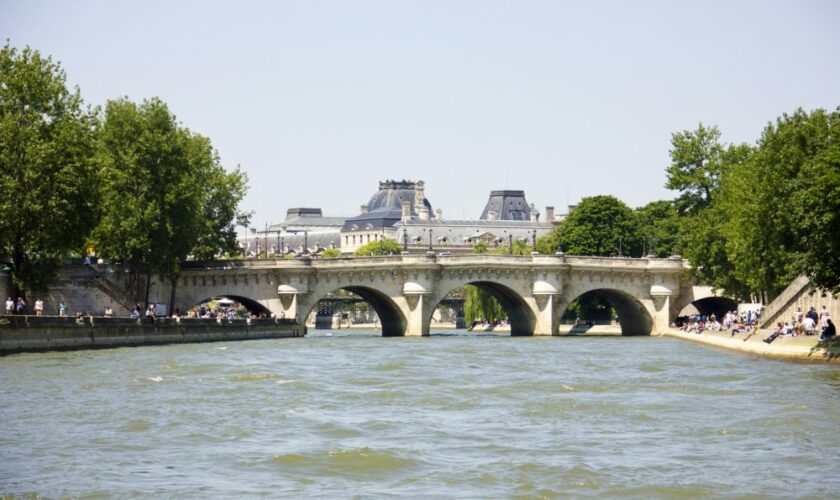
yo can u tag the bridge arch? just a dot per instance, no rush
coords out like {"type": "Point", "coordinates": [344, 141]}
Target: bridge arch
{"type": "Point", "coordinates": [390, 315]}
{"type": "Point", "coordinates": [634, 318]}
{"type": "Point", "coordinates": [520, 315]}
{"type": "Point", "coordinates": [708, 306]}
{"type": "Point", "coordinates": [253, 306]}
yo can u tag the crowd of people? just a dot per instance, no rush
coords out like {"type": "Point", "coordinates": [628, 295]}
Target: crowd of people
{"type": "Point", "coordinates": [746, 322]}
{"type": "Point", "coordinates": [732, 322]}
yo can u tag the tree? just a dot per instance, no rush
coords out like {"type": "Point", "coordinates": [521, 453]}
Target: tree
{"type": "Point", "coordinates": [598, 226]}
{"type": "Point", "coordinates": [224, 192]}
{"type": "Point", "coordinates": [47, 168]}
{"type": "Point", "coordinates": [659, 228]}
{"type": "Point", "coordinates": [782, 206]}
{"type": "Point", "coordinates": [379, 247]}
{"type": "Point", "coordinates": [479, 304]}
{"type": "Point", "coordinates": [331, 253]}
{"type": "Point", "coordinates": [165, 195]}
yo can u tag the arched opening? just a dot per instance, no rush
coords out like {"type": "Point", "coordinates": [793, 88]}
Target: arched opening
{"type": "Point", "coordinates": [236, 304]}
{"type": "Point", "coordinates": [357, 305]}
{"type": "Point", "coordinates": [597, 308]}
{"type": "Point", "coordinates": [487, 296]}
{"type": "Point", "coordinates": [717, 306]}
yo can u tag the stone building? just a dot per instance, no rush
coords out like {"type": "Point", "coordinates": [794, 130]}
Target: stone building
{"type": "Point", "coordinates": [400, 210]}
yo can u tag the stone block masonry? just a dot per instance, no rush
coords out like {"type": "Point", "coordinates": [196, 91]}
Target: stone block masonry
{"type": "Point", "coordinates": [52, 333]}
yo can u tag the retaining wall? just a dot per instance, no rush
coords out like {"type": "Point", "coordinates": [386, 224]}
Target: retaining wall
{"type": "Point", "coordinates": [53, 333]}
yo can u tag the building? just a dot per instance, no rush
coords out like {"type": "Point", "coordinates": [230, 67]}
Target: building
{"type": "Point", "coordinates": [399, 210]}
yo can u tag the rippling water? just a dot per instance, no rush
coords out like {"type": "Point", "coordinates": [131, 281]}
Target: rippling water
{"type": "Point", "coordinates": [471, 416]}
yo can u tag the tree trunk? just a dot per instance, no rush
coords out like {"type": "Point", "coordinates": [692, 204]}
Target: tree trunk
{"type": "Point", "coordinates": [173, 287]}
{"type": "Point", "coordinates": [148, 285]}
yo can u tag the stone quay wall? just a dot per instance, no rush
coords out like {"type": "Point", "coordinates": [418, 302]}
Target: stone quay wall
{"type": "Point", "coordinates": [53, 333]}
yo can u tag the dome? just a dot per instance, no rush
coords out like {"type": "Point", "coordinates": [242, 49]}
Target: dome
{"type": "Point", "coordinates": [391, 194]}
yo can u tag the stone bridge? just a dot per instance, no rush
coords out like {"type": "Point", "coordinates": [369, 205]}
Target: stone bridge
{"type": "Point", "coordinates": [404, 290]}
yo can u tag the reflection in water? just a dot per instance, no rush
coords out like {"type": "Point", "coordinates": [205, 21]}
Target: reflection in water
{"type": "Point", "coordinates": [479, 415]}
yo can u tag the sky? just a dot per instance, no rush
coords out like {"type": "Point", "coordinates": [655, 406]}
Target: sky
{"type": "Point", "coordinates": [318, 101]}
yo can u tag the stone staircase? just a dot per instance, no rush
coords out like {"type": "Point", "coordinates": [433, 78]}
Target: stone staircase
{"type": "Point", "coordinates": [776, 310]}
{"type": "Point", "coordinates": [111, 289]}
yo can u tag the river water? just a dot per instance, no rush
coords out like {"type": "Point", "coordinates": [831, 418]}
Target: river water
{"type": "Point", "coordinates": [344, 415]}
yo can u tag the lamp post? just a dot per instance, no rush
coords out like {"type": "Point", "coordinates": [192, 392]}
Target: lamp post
{"type": "Point", "coordinates": [510, 244]}
{"type": "Point", "coordinates": [620, 241]}
{"type": "Point", "coordinates": [430, 240]}
{"type": "Point", "coordinates": [266, 239]}
{"type": "Point", "coordinates": [283, 246]}
{"type": "Point", "coordinates": [306, 242]}
{"type": "Point", "coordinates": [405, 239]}
{"type": "Point", "coordinates": [534, 241]}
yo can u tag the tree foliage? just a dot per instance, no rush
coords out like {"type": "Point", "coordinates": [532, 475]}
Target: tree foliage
{"type": "Point", "coordinates": [658, 225]}
{"type": "Point", "coordinates": [47, 169]}
{"type": "Point", "coordinates": [164, 195]}
{"type": "Point", "coordinates": [481, 305]}
{"type": "Point", "coordinates": [774, 211]}
{"type": "Point", "coordinates": [331, 253]}
{"type": "Point", "coordinates": [379, 247]}
{"type": "Point", "coordinates": [599, 226]}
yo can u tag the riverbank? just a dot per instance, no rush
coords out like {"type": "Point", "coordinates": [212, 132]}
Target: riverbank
{"type": "Point", "coordinates": [807, 348]}
{"type": "Point", "coordinates": [53, 333]}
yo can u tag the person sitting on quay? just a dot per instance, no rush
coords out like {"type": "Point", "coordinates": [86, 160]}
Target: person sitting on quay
{"type": "Point", "coordinates": [739, 327]}
{"type": "Point", "coordinates": [778, 331]}
{"type": "Point", "coordinates": [809, 325]}
{"type": "Point", "coordinates": [829, 332]}
{"type": "Point", "coordinates": [109, 313]}
{"type": "Point", "coordinates": [812, 313]}
{"type": "Point", "coordinates": [135, 314]}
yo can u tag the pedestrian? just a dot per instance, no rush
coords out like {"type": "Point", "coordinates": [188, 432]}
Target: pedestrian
{"type": "Point", "coordinates": [39, 307]}
{"type": "Point", "coordinates": [21, 306]}
{"type": "Point", "coordinates": [824, 316]}
{"type": "Point", "coordinates": [829, 332]}
{"type": "Point", "coordinates": [10, 306]}
{"type": "Point", "coordinates": [108, 312]}
{"type": "Point", "coordinates": [62, 309]}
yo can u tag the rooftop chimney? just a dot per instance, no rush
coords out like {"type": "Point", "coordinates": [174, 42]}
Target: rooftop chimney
{"type": "Point", "coordinates": [423, 213]}
{"type": "Point", "coordinates": [419, 195]}
{"type": "Point", "coordinates": [535, 216]}
{"type": "Point", "coordinates": [364, 209]}
{"type": "Point", "coordinates": [439, 214]}
{"type": "Point", "coordinates": [406, 210]}
{"type": "Point", "coordinates": [492, 215]}
{"type": "Point", "coordinates": [549, 214]}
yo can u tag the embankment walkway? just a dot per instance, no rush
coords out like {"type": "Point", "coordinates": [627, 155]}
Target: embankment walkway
{"type": "Point", "coordinates": [807, 348]}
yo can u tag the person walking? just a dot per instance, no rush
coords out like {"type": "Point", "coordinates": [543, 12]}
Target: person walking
{"type": "Point", "coordinates": [39, 307]}
{"type": "Point", "coordinates": [21, 306]}
{"type": "Point", "coordinates": [62, 309]}
{"type": "Point", "coordinates": [10, 306]}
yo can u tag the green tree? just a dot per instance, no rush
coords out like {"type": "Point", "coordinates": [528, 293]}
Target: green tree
{"type": "Point", "coordinates": [782, 207]}
{"type": "Point", "coordinates": [331, 253]}
{"type": "Point", "coordinates": [479, 304]}
{"type": "Point", "coordinates": [47, 167]}
{"type": "Point", "coordinates": [659, 228]}
{"type": "Point", "coordinates": [224, 192]}
{"type": "Point", "coordinates": [379, 247]}
{"type": "Point", "coordinates": [165, 196]}
{"type": "Point", "coordinates": [598, 226]}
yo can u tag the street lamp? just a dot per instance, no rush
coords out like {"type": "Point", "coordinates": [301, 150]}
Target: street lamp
{"type": "Point", "coordinates": [405, 239]}
{"type": "Point", "coordinates": [510, 244]}
{"type": "Point", "coordinates": [534, 241]}
{"type": "Point", "coordinates": [620, 241]}
{"type": "Point", "coordinates": [306, 242]}
{"type": "Point", "coordinates": [430, 240]}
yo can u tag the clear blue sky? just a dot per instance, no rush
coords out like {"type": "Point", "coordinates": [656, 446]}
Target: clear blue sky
{"type": "Point", "coordinates": [318, 101]}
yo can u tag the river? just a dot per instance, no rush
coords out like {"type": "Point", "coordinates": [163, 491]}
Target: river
{"type": "Point", "coordinates": [343, 414]}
